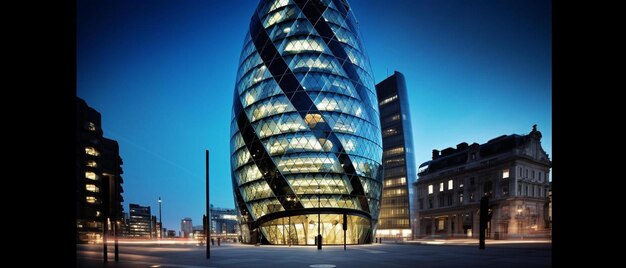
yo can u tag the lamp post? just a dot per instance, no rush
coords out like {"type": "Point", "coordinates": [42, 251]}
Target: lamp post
{"type": "Point", "coordinates": [289, 221]}
{"type": "Point", "coordinates": [521, 222]}
{"type": "Point", "coordinates": [160, 221]}
{"type": "Point", "coordinates": [319, 212]}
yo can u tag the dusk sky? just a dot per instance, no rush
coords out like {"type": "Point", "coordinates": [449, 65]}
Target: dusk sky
{"type": "Point", "coordinates": [162, 74]}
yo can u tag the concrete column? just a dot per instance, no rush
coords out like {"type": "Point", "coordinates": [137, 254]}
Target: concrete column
{"type": "Point", "coordinates": [434, 226]}
{"type": "Point", "coordinates": [475, 224]}
{"type": "Point", "coordinates": [459, 223]}
{"type": "Point", "coordinates": [449, 223]}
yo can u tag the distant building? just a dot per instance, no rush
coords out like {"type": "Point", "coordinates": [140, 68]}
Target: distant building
{"type": "Point", "coordinates": [224, 221]}
{"type": "Point", "coordinates": [154, 231]}
{"type": "Point", "coordinates": [397, 203]}
{"type": "Point", "coordinates": [125, 225]}
{"type": "Point", "coordinates": [186, 227]}
{"type": "Point", "coordinates": [513, 170]}
{"type": "Point", "coordinates": [140, 221]}
{"type": "Point", "coordinates": [171, 233]}
{"type": "Point", "coordinates": [98, 176]}
{"type": "Point", "coordinates": [198, 231]}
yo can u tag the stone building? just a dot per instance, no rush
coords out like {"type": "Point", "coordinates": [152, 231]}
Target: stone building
{"type": "Point", "coordinates": [512, 169]}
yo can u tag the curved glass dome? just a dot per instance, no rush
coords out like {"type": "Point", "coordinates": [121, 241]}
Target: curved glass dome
{"type": "Point", "coordinates": [305, 131]}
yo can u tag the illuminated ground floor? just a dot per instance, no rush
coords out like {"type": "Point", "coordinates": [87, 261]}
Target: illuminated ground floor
{"type": "Point", "coordinates": [88, 231]}
{"type": "Point", "coordinates": [394, 233]}
{"type": "Point", "coordinates": [303, 230]}
{"type": "Point", "coordinates": [509, 219]}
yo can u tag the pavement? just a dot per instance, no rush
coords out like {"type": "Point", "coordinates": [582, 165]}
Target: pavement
{"type": "Point", "coordinates": [422, 253]}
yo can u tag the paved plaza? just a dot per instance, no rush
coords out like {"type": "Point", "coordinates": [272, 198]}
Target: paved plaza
{"type": "Point", "coordinates": [433, 253]}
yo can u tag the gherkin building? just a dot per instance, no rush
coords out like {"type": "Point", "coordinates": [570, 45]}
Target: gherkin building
{"type": "Point", "coordinates": [306, 144]}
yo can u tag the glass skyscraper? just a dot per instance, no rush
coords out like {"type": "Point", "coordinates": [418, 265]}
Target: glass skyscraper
{"type": "Point", "coordinates": [305, 132]}
{"type": "Point", "coordinates": [398, 159]}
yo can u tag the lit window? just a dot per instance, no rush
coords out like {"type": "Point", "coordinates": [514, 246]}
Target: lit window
{"type": "Point", "coordinates": [441, 223]}
{"type": "Point", "coordinates": [393, 151]}
{"type": "Point", "coordinates": [90, 199]}
{"type": "Point", "coordinates": [328, 145]}
{"type": "Point", "coordinates": [450, 184]}
{"type": "Point", "coordinates": [441, 186]}
{"type": "Point", "coordinates": [91, 151]}
{"type": "Point", "coordinates": [403, 180]}
{"type": "Point", "coordinates": [394, 161]}
{"type": "Point", "coordinates": [91, 163]}
{"type": "Point", "coordinates": [388, 100]}
{"type": "Point", "coordinates": [505, 174]}
{"type": "Point", "coordinates": [303, 45]}
{"type": "Point", "coordinates": [274, 18]}
{"type": "Point", "coordinates": [91, 126]}
{"type": "Point", "coordinates": [278, 4]}
{"type": "Point", "coordinates": [90, 175]}
{"type": "Point", "coordinates": [98, 213]}
{"type": "Point", "coordinates": [92, 188]}
{"type": "Point", "coordinates": [460, 198]}
{"type": "Point", "coordinates": [313, 119]}
{"type": "Point", "coordinates": [389, 132]}
{"type": "Point", "coordinates": [430, 189]}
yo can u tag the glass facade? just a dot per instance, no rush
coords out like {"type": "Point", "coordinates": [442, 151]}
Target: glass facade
{"type": "Point", "coordinates": [305, 131]}
{"type": "Point", "coordinates": [398, 159]}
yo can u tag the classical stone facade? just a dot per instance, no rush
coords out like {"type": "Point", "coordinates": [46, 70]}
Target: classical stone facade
{"type": "Point", "coordinates": [512, 169]}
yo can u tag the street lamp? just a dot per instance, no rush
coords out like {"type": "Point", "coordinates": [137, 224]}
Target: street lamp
{"type": "Point", "coordinates": [319, 210]}
{"type": "Point", "coordinates": [160, 220]}
{"type": "Point", "coordinates": [289, 220]}
{"type": "Point", "coordinates": [521, 222]}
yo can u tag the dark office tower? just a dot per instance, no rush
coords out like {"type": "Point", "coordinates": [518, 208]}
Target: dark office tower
{"type": "Point", "coordinates": [112, 181]}
{"type": "Point", "coordinates": [305, 133]}
{"type": "Point", "coordinates": [140, 221]}
{"type": "Point", "coordinates": [98, 176]}
{"type": "Point", "coordinates": [89, 213]}
{"type": "Point", "coordinates": [398, 158]}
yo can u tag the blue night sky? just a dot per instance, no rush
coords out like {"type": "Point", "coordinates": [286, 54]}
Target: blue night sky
{"type": "Point", "coordinates": [162, 75]}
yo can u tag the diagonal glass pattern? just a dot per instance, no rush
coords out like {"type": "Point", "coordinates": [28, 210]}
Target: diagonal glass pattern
{"type": "Point", "coordinates": [305, 132]}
